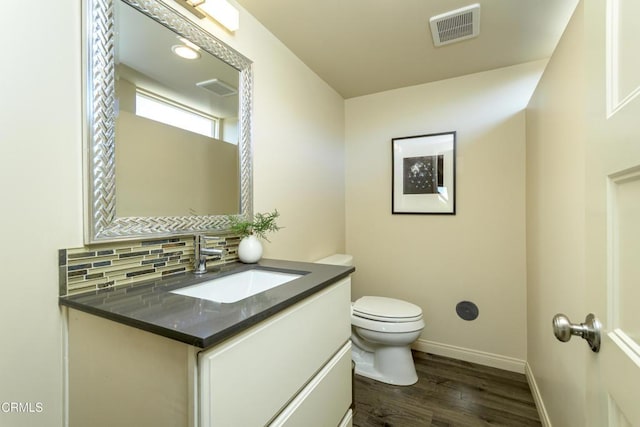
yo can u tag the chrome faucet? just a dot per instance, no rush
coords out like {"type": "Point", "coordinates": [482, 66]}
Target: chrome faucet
{"type": "Point", "coordinates": [201, 252]}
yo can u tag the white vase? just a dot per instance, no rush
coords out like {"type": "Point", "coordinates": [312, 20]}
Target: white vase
{"type": "Point", "coordinates": [250, 249]}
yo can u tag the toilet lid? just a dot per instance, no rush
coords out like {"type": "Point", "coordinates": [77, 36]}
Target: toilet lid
{"type": "Point", "coordinates": [386, 309]}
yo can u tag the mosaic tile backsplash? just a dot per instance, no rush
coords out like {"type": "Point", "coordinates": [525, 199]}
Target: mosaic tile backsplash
{"type": "Point", "coordinates": [121, 263]}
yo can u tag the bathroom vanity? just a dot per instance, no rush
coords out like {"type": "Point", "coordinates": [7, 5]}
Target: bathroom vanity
{"type": "Point", "coordinates": [143, 355]}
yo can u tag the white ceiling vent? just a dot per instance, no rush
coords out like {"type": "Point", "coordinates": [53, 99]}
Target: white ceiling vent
{"type": "Point", "coordinates": [457, 25]}
{"type": "Point", "coordinates": [218, 87]}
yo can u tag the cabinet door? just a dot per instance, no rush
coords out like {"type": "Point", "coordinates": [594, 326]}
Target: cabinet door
{"type": "Point", "coordinates": [249, 379]}
{"type": "Point", "coordinates": [325, 400]}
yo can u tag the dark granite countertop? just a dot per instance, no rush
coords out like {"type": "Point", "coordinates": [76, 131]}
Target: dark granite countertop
{"type": "Point", "coordinates": [152, 307]}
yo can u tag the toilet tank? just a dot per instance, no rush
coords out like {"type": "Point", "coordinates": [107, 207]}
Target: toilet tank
{"type": "Point", "coordinates": [337, 259]}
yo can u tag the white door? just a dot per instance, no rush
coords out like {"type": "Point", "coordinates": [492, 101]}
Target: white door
{"type": "Point", "coordinates": [613, 208]}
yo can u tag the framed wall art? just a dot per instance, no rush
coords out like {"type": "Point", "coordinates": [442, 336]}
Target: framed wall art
{"type": "Point", "coordinates": [424, 174]}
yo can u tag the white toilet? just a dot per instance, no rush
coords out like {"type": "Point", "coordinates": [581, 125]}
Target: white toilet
{"type": "Point", "coordinates": [382, 330]}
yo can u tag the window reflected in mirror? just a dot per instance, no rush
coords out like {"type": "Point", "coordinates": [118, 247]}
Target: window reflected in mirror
{"type": "Point", "coordinates": [176, 124]}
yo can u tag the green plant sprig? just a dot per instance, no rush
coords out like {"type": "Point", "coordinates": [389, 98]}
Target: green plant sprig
{"type": "Point", "coordinates": [262, 223]}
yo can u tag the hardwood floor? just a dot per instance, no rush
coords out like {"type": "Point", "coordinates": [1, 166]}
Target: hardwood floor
{"type": "Point", "coordinates": [450, 393]}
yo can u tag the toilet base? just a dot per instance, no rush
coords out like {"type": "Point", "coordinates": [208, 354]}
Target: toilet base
{"type": "Point", "coordinates": [387, 364]}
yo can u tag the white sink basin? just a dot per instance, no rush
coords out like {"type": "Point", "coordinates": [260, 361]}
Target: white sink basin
{"type": "Point", "coordinates": [236, 287]}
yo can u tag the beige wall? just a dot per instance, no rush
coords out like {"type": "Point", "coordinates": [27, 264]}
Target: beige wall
{"type": "Point", "coordinates": [437, 261]}
{"type": "Point", "coordinates": [556, 227]}
{"type": "Point", "coordinates": [40, 167]}
{"type": "Point", "coordinates": [299, 169]}
{"type": "Point", "coordinates": [298, 147]}
{"type": "Point", "coordinates": [179, 173]}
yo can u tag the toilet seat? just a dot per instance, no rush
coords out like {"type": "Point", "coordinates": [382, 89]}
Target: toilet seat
{"type": "Point", "coordinates": [384, 309]}
{"type": "Point", "coordinates": [386, 315]}
{"type": "Point", "coordinates": [387, 327]}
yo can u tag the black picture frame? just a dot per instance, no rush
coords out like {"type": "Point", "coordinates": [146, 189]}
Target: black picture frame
{"type": "Point", "coordinates": [423, 178]}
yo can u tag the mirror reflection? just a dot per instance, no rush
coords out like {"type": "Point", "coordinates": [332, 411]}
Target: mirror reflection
{"type": "Point", "coordinates": [176, 124]}
{"type": "Point", "coordinates": [172, 177]}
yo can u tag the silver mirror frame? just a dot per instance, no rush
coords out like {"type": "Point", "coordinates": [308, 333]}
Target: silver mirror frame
{"type": "Point", "coordinates": [102, 224]}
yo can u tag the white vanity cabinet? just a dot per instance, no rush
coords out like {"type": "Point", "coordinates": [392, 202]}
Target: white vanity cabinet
{"type": "Point", "coordinates": [292, 369]}
{"type": "Point", "coordinates": [251, 377]}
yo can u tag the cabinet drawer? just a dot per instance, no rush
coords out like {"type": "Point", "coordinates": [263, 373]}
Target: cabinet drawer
{"type": "Point", "coordinates": [325, 400]}
{"type": "Point", "coordinates": [250, 378]}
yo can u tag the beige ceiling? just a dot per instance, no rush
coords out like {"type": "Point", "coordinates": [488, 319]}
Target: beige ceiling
{"type": "Point", "coordinates": [367, 46]}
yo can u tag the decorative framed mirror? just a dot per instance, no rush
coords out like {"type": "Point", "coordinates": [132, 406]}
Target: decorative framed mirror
{"type": "Point", "coordinates": [146, 175]}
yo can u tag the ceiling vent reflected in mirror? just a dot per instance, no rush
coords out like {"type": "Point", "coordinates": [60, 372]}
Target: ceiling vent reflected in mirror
{"type": "Point", "coordinates": [456, 25]}
{"type": "Point", "coordinates": [218, 87]}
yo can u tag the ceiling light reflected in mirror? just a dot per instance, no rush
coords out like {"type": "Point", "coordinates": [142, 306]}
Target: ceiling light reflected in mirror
{"type": "Point", "coordinates": [185, 52]}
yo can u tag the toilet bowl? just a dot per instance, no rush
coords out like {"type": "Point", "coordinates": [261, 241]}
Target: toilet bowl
{"type": "Point", "coordinates": [382, 331]}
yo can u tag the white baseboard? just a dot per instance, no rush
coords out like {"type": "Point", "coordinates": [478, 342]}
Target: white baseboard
{"type": "Point", "coordinates": [469, 355]}
{"type": "Point", "coordinates": [535, 391]}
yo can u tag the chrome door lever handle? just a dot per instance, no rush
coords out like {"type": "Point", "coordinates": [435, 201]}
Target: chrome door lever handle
{"type": "Point", "coordinates": [563, 329]}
